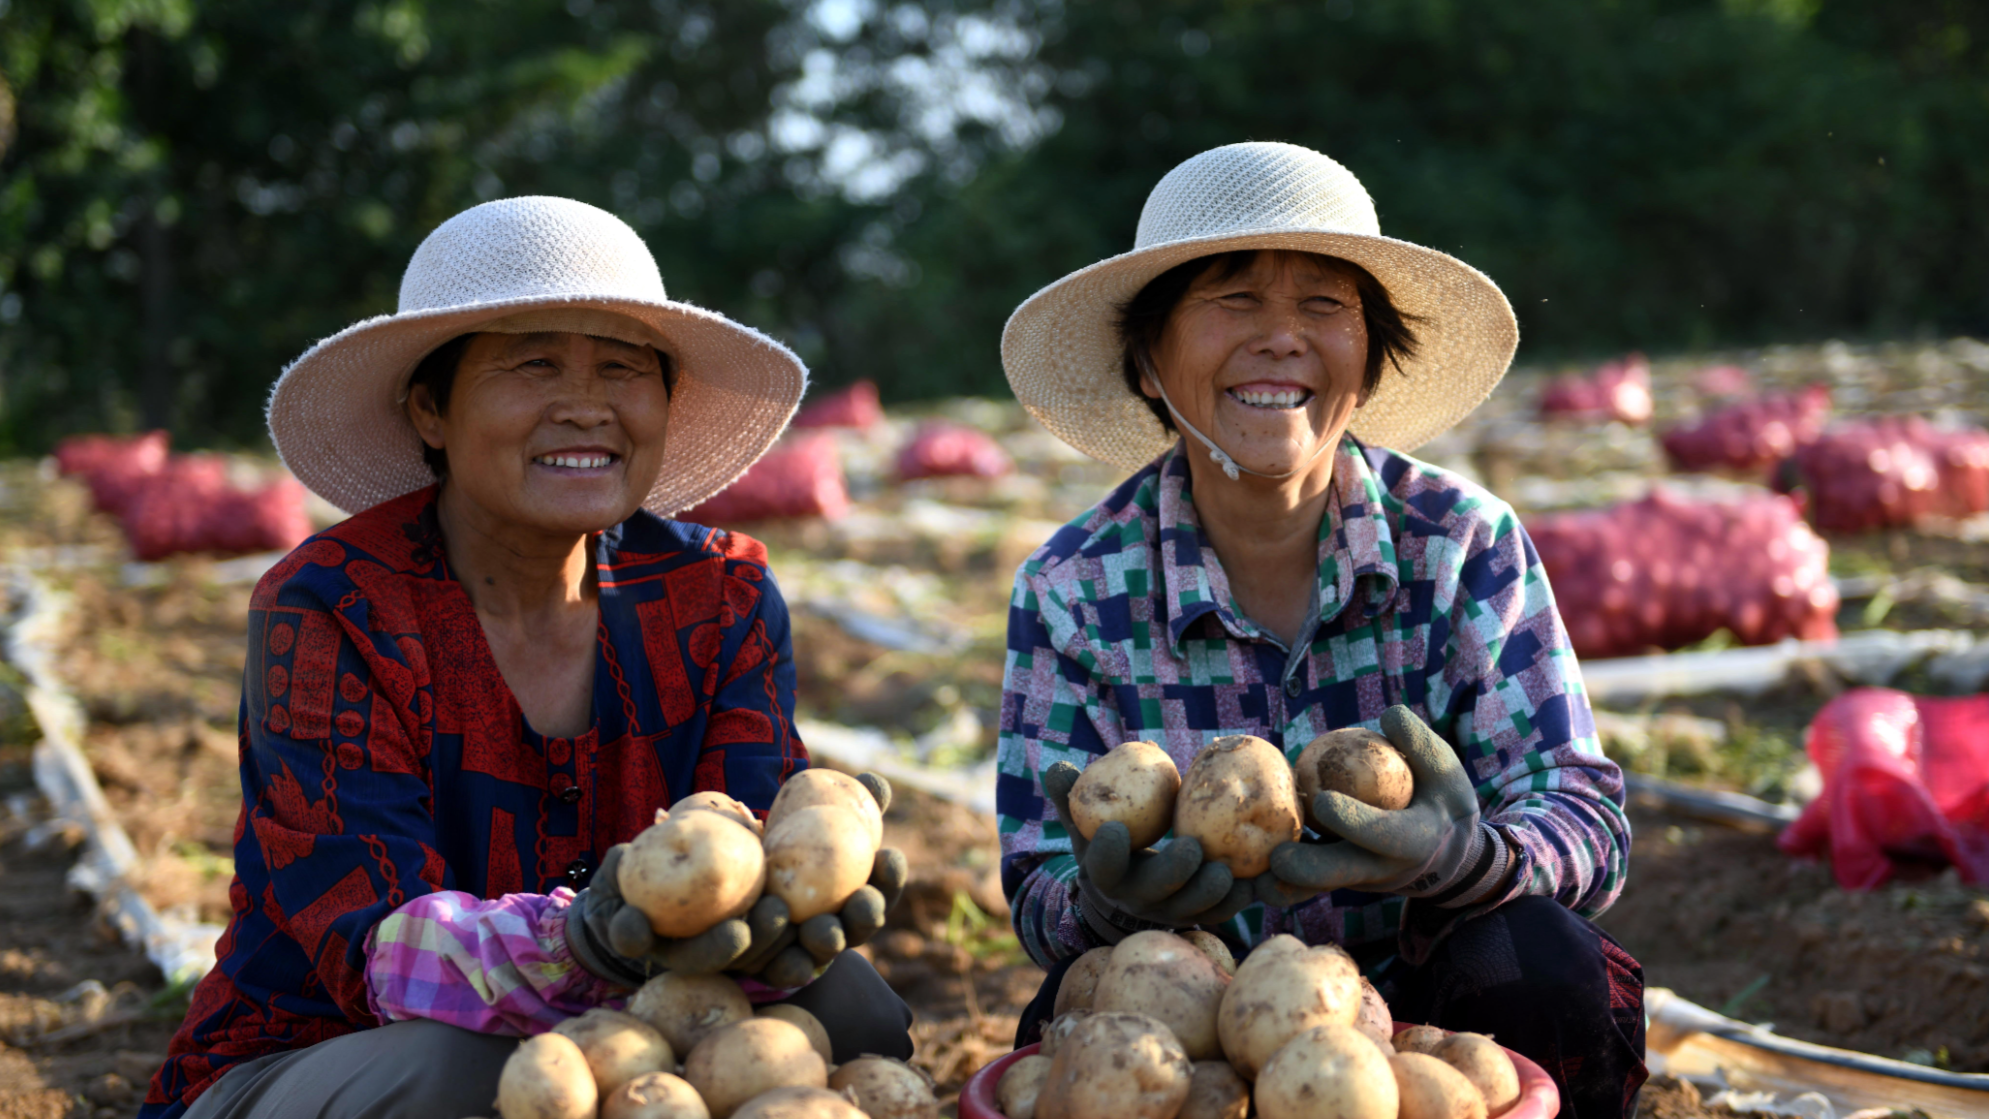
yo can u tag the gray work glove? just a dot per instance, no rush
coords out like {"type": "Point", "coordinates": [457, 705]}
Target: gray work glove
{"type": "Point", "coordinates": [613, 940]}
{"type": "Point", "coordinates": [1122, 891]}
{"type": "Point", "coordinates": [786, 955]}
{"type": "Point", "coordinates": [1436, 848]}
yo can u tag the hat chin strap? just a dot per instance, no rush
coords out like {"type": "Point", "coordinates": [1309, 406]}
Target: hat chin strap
{"type": "Point", "coordinates": [1221, 457]}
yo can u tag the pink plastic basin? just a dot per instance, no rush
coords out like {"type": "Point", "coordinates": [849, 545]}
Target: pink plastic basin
{"type": "Point", "coordinates": [1538, 1098]}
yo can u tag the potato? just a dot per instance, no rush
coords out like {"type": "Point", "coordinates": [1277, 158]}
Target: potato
{"type": "Point", "coordinates": [1135, 784]}
{"type": "Point", "coordinates": [725, 806]}
{"type": "Point", "coordinates": [1430, 1089]}
{"type": "Point", "coordinates": [1116, 1066]}
{"type": "Point", "coordinates": [1374, 1020]}
{"type": "Point", "coordinates": [812, 787]}
{"type": "Point", "coordinates": [1327, 1071]}
{"type": "Point", "coordinates": [799, 1103]}
{"type": "Point", "coordinates": [1216, 1092]}
{"type": "Point", "coordinates": [684, 1008]}
{"type": "Point", "coordinates": [1015, 1092]}
{"type": "Point", "coordinates": [816, 858]}
{"type": "Point", "coordinates": [1485, 1065]}
{"type": "Point", "coordinates": [618, 1046]}
{"type": "Point", "coordinates": [1281, 993]}
{"type": "Point", "coordinates": [1239, 801]}
{"type": "Point", "coordinates": [737, 1062]}
{"type": "Point", "coordinates": [546, 1077]}
{"type": "Point", "coordinates": [1059, 1029]}
{"type": "Point", "coordinates": [1418, 1039]}
{"type": "Point", "coordinates": [818, 1035]}
{"type": "Point", "coordinates": [655, 1095]}
{"type": "Point", "coordinates": [692, 871]}
{"type": "Point", "coordinates": [1166, 978]}
{"type": "Point", "coordinates": [886, 1089]}
{"type": "Point", "coordinates": [1080, 983]}
{"type": "Point", "coordinates": [1211, 945]}
{"type": "Point", "coordinates": [1355, 761]}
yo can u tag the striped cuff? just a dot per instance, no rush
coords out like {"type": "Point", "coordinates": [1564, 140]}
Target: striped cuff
{"type": "Point", "coordinates": [1487, 863]}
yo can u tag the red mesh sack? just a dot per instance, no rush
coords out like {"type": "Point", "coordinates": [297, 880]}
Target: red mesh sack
{"type": "Point", "coordinates": [940, 449]}
{"type": "Point", "coordinates": [1889, 472]}
{"type": "Point", "coordinates": [115, 467]}
{"type": "Point", "coordinates": [1752, 435]}
{"type": "Point", "coordinates": [854, 406]}
{"type": "Point", "coordinates": [169, 514]}
{"type": "Point", "coordinates": [1617, 390]}
{"type": "Point", "coordinates": [269, 518]}
{"type": "Point", "coordinates": [1905, 786]}
{"type": "Point", "coordinates": [1724, 381]}
{"type": "Point", "coordinates": [801, 477]}
{"type": "Point", "coordinates": [1664, 573]}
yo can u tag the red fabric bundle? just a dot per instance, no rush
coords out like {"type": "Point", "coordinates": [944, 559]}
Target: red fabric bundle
{"type": "Point", "coordinates": [1665, 572]}
{"type": "Point", "coordinates": [801, 477]}
{"type": "Point", "coordinates": [855, 406]}
{"type": "Point", "coordinates": [115, 467]}
{"type": "Point", "coordinates": [1618, 390]}
{"type": "Point", "coordinates": [1905, 783]}
{"type": "Point", "coordinates": [1752, 435]}
{"type": "Point", "coordinates": [939, 449]}
{"type": "Point", "coordinates": [1893, 471]}
{"type": "Point", "coordinates": [191, 506]}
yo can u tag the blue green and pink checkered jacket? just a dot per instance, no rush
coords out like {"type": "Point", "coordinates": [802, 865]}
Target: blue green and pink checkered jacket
{"type": "Point", "coordinates": [1429, 594]}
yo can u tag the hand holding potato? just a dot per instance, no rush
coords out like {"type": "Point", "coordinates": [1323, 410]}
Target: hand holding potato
{"type": "Point", "coordinates": [614, 940]}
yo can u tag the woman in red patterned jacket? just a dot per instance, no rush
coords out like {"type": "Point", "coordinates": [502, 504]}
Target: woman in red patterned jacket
{"type": "Point", "coordinates": [458, 702]}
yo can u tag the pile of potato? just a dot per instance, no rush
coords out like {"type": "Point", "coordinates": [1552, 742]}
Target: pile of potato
{"type": "Point", "coordinates": [735, 1064]}
{"type": "Point", "coordinates": [1167, 1026]}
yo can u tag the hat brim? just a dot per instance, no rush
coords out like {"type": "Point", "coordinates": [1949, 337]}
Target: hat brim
{"type": "Point", "coordinates": [1064, 360]}
{"type": "Point", "coordinates": [339, 425]}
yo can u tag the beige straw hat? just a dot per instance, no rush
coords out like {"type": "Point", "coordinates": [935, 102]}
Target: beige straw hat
{"type": "Point", "coordinates": [1065, 361]}
{"type": "Point", "coordinates": [520, 265]}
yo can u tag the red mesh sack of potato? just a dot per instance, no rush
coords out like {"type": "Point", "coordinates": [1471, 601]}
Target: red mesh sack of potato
{"type": "Point", "coordinates": [801, 477]}
{"type": "Point", "coordinates": [170, 514]}
{"type": "Point", "coordinates": [115, 467]}
{"type": "Point", "coordinates": [940, 449]}
{"type": "Point", "coordinates": [1752, 435]}
{"type": "Point", "coordinates": [854, 406]}
{"type": "Point", "coordinates": [265, 519]}
{"type": "Point", "coordinates": [1890, 472]}
{"type": "Point", "coordinates": [1905, 786]}
{"type": "Point", "coordinates": [1724, 381]}
{"type": "Point", "coordinates": [1617, 390]}
{"type": "Point", "coordinates": [1665, 572]}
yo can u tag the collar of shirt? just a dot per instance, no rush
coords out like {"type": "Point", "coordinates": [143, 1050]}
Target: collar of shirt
{"type": "Point", "coordinates": [1355, 543]}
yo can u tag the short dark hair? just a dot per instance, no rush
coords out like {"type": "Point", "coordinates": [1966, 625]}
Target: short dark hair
{"type": "Point", "coordinates": [1142, 319]}
{"type": "Point", "coordinates": [437, 373]}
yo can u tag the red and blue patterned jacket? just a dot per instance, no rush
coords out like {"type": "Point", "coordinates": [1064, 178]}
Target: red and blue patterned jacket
{"type": "Point", "coordinates": [383, 756]}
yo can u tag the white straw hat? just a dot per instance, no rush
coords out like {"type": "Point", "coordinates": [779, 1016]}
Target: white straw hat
{"type": "Point", "coordinates": [1062, 352]}
{"type": "Point", "coordinates": [520, 265]}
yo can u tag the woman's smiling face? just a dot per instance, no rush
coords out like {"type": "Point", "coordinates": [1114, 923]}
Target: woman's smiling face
{"type": "Point", "coordinates": [1269, 362]}
{"type": "Point", "coordinates": [555, 431]}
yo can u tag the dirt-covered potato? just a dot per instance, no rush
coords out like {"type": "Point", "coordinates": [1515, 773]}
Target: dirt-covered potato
{"type": "Point", "coordinates": [1215, 1092]}
{"type": "Point", "coordinates": [1164, 977]}
{"type": "Point", "coordinates": [812, 787]}
{"type": "Point", "coordinates": [737, 1062]}
{"type": "Point", "coordinates": [1059, 1029]}
{"type": "Point", "coordinates": [1327, 1070]}
{"type": "Point", "coordinates": [684, 1008]}
{"type": "Point", "coordinates": [1430, 1089]}
{"type": "Point", "coordinates": [818, 1035]}
{"type": "Point", "coordinates": [799, 1103]}
{"type": "Point", "coordinates": [1374, 1019]}
{"type": "Point", "coordinates": [885, 1088]}
{"type": "Point", "coordinates": [1016, 1091]}
{"type": "Point", "coordinates": [1080, 983]}
{"type": "Point", "coordinates": [1239, 801]}
{"type": "Point", "coordinates": [655, 1095]}
{"type": "Point", "coordinates": [713, 801]}
{"type": "Point", "coordinates": [1211, 945]}
{"type": "Point", "coordinates": [618, 1046]}
{"type": "Point", "coordinates": [1116, 1066]}
{"type": "Point", "coordinates": [1355, 761]}
{"type": "Point", "coordinates": [1485, 1065]}
{"type": "Point", "coordinates": [1418, 1039]}
{"type": "Point", "coordinates": [692, 871]}
{"type": "Point", "coordinates": [1280, 993]}
{"type": "Point", "coordinates": [546, 1077]}
{"type": "Point", "coordinates": [817, 857]}
{"type": "Point", "coordinates": [1135, 784]}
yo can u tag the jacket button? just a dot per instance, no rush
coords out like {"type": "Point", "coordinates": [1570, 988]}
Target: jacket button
{"type": "Point", "coordinates": [1293, 685]}
{"type": "Point", "coordinates": [577, 872]}
{"type": "Point", "coordinates": [570, 795]}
